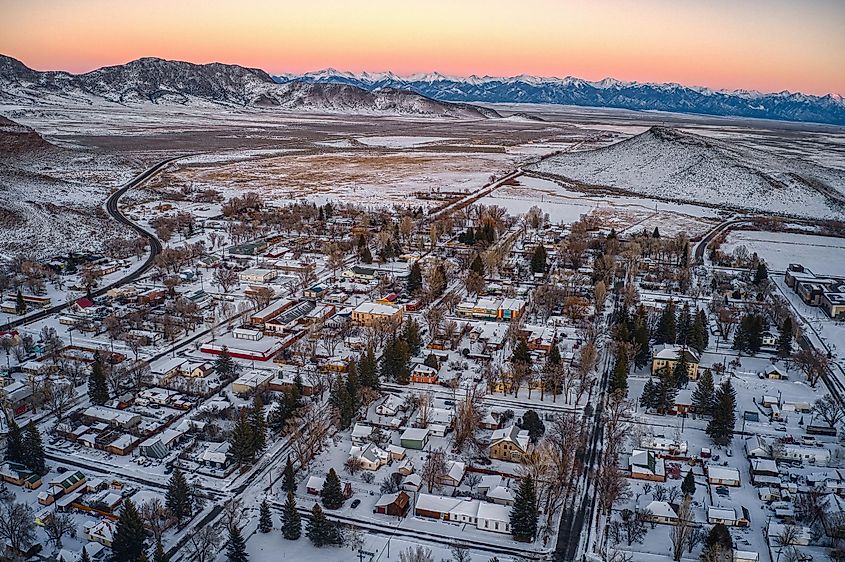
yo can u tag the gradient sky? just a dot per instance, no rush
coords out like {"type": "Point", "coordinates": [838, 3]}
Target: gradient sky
{"type": "Point", "coordinates": [767, 45]}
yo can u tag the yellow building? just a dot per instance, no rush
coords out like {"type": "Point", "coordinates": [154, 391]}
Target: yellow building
{"type": "Point", "coordinates": [509, 444]}
{"type": "Point", "coordinates": [368, 313]}
{"type": "Point", "coordinates": [667, 357]}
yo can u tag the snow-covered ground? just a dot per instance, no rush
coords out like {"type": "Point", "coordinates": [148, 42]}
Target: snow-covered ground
{"type": "Point", "coordinates": [824, 255]}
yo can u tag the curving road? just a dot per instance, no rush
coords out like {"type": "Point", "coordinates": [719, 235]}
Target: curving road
{"type": "Point", "coordinates": [115, 212]}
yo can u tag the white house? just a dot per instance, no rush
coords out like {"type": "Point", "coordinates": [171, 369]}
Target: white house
{"type": "Point", "coordinates": [494, 517]}
{"type": "Point", "coordinates": [369, 457]}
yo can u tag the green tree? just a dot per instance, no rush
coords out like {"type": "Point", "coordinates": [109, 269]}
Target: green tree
{"type": "Point", "coordinates": [785, 339]}
{"type": "Point", "coordinates": [660, 395]}
{"type": "Point", "coordinates": [366, 255]}
{"type": "Point", "coordinates": [265, 519]}
{"type": "Point", "coordinates": [98, 387]}
{"type": "Point", "coordinates": [641, 338]}
{"type": "Point", "coordinates": [33, 450]}
{"type": "Point", "coordinates": [14, 443]}
{"type": "Point", "coordinates": [332, 493]}
{"type": "Point", "coordinates": [704, 395]}
{"type": "Point", "coordinates": [224, 363]}
{"type": "Point", "coordinates": [289, 477]}
{"type": "Point", "coordinates": [762, 273]}
{"type": "Point", "coordinates": [86, 558]}
{"type": "Point", "coordinates": [538, 259]}
{"type": "Point", "coordinates": [721, 426]}
{"type": "Point", "coordinates": [129, 535]}
{"type": "Point", "coordinates": [160, 555]}
{"type": "Point", "coordinates": [521, 353]}
{"type": "Point", "coordinates": [688, 485]}
{"type": "Point", "coordinates": [178, 499]}
{"type": "Point", "coordinates": [291, 521]}
{"type": "Point", "coordinates": [619, 376]}
{"type": "Point", "coordinates": [699, 336]}
{"type": "Point", "coordinates": [20, 304]}
{"type": "Point", "coordinates": [414, 282]}
{"type": "Point", "coordinates": [532, 422]}
{"type": "Point", "coordinates": [667, 325]}
{"type": "Point", "coordinates": [259, 425]}
{"type": "Point", "coordinates": [395, 361]}
{"type": "Point", "coordinates": [749, 334]}
{"type": "Point", "coordinates": [411, 335]}
{"type": "Point", "coordinates": [236, 546]}
{"type": "Point", "coordinates": [684, 327]}
{"type": "Point", "coordinates": [242, 441]}
{"type": "Point", "coordinates": [342, 402]}
{"type": "Point", "coordinates": [681, 371]}
{"type": "Point", "coordinates": [525, 512]}
{"type": "Point", "coordinates": [320, 530]}
{"type": "Point", "coordinates": [368, 369]}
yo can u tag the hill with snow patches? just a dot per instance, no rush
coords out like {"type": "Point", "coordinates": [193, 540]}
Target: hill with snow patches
{"type": "Point", "coordinates": [163, 82]}
{"type": "Point", "coordinates": [51, 197]}
{"type": "Point", "coordinates": [672, 164]}
{"type": "Point", "coordinates": [788, 106]}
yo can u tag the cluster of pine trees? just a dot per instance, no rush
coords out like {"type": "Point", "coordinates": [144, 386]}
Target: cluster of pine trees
{"type": "Point", "coordinates": [484, 235]}
{"type": "Point", "coordinates": [24, 446]}
{"type": "Point", "coordinates": [525, 512]}
{"type": "Point", "coordinates": [749, 333]}
{"type": "Point", "coordinates": [686, 328]}
{"type": "Point", "coordinates": [396, 360]}
{"type": "Point", "coordinates": [538, 259]}
{"type": "Point", "coordinates": [346, 391]}
{"type": "Point", "coordinates": [98, 387]}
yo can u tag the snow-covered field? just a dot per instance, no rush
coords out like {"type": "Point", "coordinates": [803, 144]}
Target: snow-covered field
{"type": "Point", "coordinates": [824, 255]}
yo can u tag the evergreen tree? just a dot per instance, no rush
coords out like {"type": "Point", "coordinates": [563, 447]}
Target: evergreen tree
{"type": "Point", "coordinates": [704, 395]}
{"type": "Point", "coordinates": [289, 478]}
{"type": "Point", "coordinates": [660, 395]}
{"type": "Point", "coordinates": [33, 450]}
{"type": "Point", "coordinates": [667, 325]}
{"type": "Point", "coordinates": [414, 282]}
{"type": "Point", "coordinates": [681, 371]}
{"type": "Point", "coordinates": [749, 334]}
{"type": "Point", "coordinates": [129, 535]}
{"type": "Point", "coordinates": [367, 255]}
{"type": "Point", "coordinates": [553, 357]}
{"type": "Point", "coordinates": [647, 398]}
{"type": "Point", "coordinates": [439, 281]}
{"type": "Point", "coordinates": [20, 304]}
{"type": "Point", "coordinates": [242, 440]}
{"type": "Point", "coordinates": [86, 558]}
{"type": "Point", "coordinates": [160, 555]}
{"type": "Point", "coordinates": [721, 426]}
{"type": "Point", "coordinates": [538, 259]}
{"type": "Point", "coordinates": [785, 339]}
{"type": "Point", "coordinates": [353, 387]}
{"type": "Point", "coordinates": [368, 369]}
{"type": "Point", "coordinates": [477, 265]}
{"type": "Point", "coordinates": [98, 387]}
{"type": "Point", "coordinates": [684, 327]}
{"type": "Point", "coordinates": [619, 377]}
{"type": "Point", "coordinates": [179, 499]}
{"type": "Point", "coordinates": [395, 361]}
{"type": "Point", "coordinates": [342, 402]}
{"type": "Point", "coordinates": [320, 530]}
{"type": "Point", "coordinates": [656, 233]}
{"type": "Point", "coordinates": [532, 422]}
{"type": "Point", "coordinates": [641, 338]}
{"type": "Point", "coordinates": [259, 425]}
{"type": "Point", "coordinates": [411, 335]}
{"type": "Point", "coordinates": [265, 519]}
{"type": "Point", "coordinates": [762, 273]}
{"type": "Point", "coordinates": [688, 485]}
{"type": "Point", "coordinates": [291, 521]}
{"type": "Point", "coordinates": [699, 338]}
{"type": "Point", "coordinates": [236, 546]}
{"type": "Point", "coordinates": [525, 513]}
{"type": "Point", "coordinates": [718, 543]}
{"type": "Point", "coordinates": [332, 494]}
{"type": "Point", "coordinates": [521, 354]}
{"type": "Point", "coordinates": [14, 443]}
{"type": "Point", "coordinates": [224, 363]}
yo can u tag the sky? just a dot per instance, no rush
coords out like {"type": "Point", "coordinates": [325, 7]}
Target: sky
{"type": "Point", "coordinates": [766, 45]}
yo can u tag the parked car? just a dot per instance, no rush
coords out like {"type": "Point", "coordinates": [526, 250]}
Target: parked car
{"type": "Point", "coordinates": [355, 503]}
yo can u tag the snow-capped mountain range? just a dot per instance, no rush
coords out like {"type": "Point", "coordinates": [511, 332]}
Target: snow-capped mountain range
{"type": "Point", "coordinates": [609, 92]}
{"type": "Point", "coordinates": [163, 82]}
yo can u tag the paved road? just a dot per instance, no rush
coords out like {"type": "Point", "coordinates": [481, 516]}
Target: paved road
{"type": "Point", "coordinates": [114, 211]}
{"type": "Point", "coordinates": [718, 229]}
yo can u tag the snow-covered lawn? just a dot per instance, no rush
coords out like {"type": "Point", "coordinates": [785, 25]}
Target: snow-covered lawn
{"type": "Point", "coordinates": [824, 255]}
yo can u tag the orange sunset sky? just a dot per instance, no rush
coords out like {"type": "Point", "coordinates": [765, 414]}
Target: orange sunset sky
{"type": "Point", "coordinates": [770, 45]}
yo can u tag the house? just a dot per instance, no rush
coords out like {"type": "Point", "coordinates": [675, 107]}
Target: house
{"type": "Point", "coordinates": [424, 374]}
{"type": "Point", "coordinates": [361, 433]}
{"type": "Point", "coordinates": [314, 485]}
{"type": "Point", "coordinates": [768, 339]}
{"type": "Point", "coordinates": [390, 406]}
{"type": "Point", "coordinates": [667, 356]}
{"type": "Point", "coordinates": [396, 453]}
{"type": "Point", "coordinates": [746, 556]}
{"type": "Point", "coordinates": [393, 504]}
{"type": "Point", "coordinates": [802, 538]}
{"type": "Point", "coordinates": [773, 372]}
{"type": "Point", "coordinates": [645, 465]}
{"type": "Point", "coordinates": [164, 370]}
{"type": "Point", "coordinates": [501, 495]}
{"type": "Point", "coordinates": [101, 532]}
{"type": "Point", "coordinates": [488, 482]}
{"type": "Point", "coordinates": [454, 474]}
{"type": "Point", "coordinates": [724, 515]}
{"type": "Point", "coordinates": [368, 313]}
{"type": "Point", "coordinates": [663, 445]}
{"type": "Point", "coordinates": [369, 457]}
{"type": "Point", "coordinates": [414, 438]}
{"type": "Point", "coordinates": [764, 472]}
{"type": "Point", "coordinates": [252, 381]}
{"type": "Point", "coordinates": [257, 275]}
{"type": "Point", "coordinates": [217, 456]}
{"type": "Point", "coordinates": [659, 512]}
{"type": "Point", "coordinates": [198, 370]}
{"type": "Point", "coordinates": [493, 517]}
{"type": "Point", "coordinates": [722, 476]}
{"type": "Point", "coordinates": [819, 456]}
{"type": "Point", "coordinates": [112, 417]}
{"type": "Point", "coordinates": [509, 444]}
{"type": "Point", "coordinates": [412, 482]}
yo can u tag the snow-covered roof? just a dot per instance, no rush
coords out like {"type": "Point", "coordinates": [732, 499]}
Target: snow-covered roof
{"type": "Point", "coordinates": [494, 512]}
{"type": "Point", "coordinates": [512, 434]}
{"type": "Point", "coordinates": [500, 493]}
{"type": "Point", "coordinates": [722, 473]}
{"type": "Point", "coordinates": [661, 509]}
